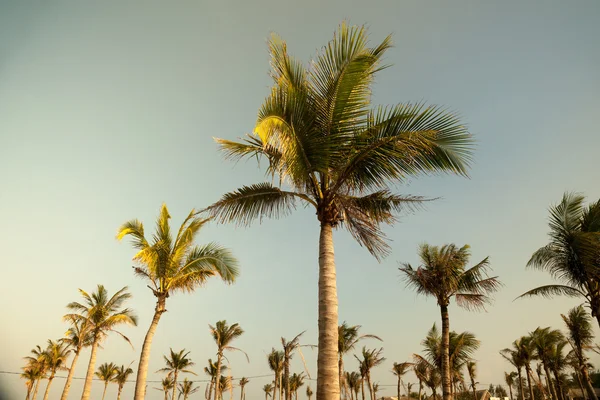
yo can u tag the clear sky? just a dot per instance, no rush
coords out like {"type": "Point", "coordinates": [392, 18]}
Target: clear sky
{"type": "Point", "coordinates": [108, 109]}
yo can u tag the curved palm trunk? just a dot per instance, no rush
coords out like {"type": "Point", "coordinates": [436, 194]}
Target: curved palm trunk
{"type": "Point", "coordinates": [35, 391]}
{"type": "Point", "coordinates": [559, 388]}
{"type": "Point", "coordinates": [549, 381]}
{"type": "Point", "coordinates": [446, 380]}
{"type": "Point", "coordinates": [218, 375]}
{"type": "Point", "coordinates": [119, 392]}
{"type": "Point", "coordinates": [529, 373]}
{"type": "Point", "coordinates": [65, 392]}
{"type": "Point", "coordinates": [142, 372]}
{"type": "Point", "coordinates": [174, 384]}
{"type": "Point", "coordinates": [521, 390]}
{"type": "Point", "coordinates": [87, 387]}
{"type": "Point", "coordinates": [328, 386]}
{"type": "Point", "coordinates": [104, 392]}
{"type": "Point", "coordinates": [47, 392]}
{"type": "Point", "coordinates": [588, 383]}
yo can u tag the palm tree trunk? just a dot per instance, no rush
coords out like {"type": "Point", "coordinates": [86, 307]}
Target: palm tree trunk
{"type": "Point", "coordinates": [529, 373]}
{"type": "Point", "coordinates": [47, 392]}
{"type": "Point", "coordinates": [119, 392]}
{"type": "Point", "coordinates": [218, 374]}
{"type": "Point", "coordinates": [362, 388]}
{"type": "Point", "coordinates": [370, 386]}
{"type": "Point", "coordinates": [510, 391]}
{"type": "Point", "coordinates": [280, 388]}
{"type": "Point", "coordinates": [521, 383]}
{"type": "Point", "coordinates": [475, 389]}
{"type": "Point", "coordinates": [420, 389]}
{"type": "Point", "coordinates": [65, 392]}
{"type": "Point", "coordinates": [104, 392]}
{"type": "Point", "coordinates": [328, 386]}
{"type": "Point", "coordinates": [446, 381]}
{"type": "Point", "coordinates": [583, 391]}
{"type": "Point", "coordinates": [398, 388]}
{"type": "Point", "coordinates": [549, 381]}
{"type": "Point", "coordinates": [174, 384]}
{"type": "Point", "coordinates": [286, 377]}
{"type": "Point", "coordinates": [210, 388]}
{"type": "Point", "coordinates": [275, 387]}
{"type": "Point", "coordinates": [87, 387]}
{"type": "Point", "coordinates": [559, 388]}
{"type": "Point", "coordinates": [588, 383]}
{"type": "Point", "coordinates": [140, 382]}
{"type": "Point", "coordinates": [341, 375]}
{"type": "Point", "coordinates": [29, 389]}
{"type": "Point", "coordinates": [166, 395]}
{"type": "Point", "coordinates": [37, 387]}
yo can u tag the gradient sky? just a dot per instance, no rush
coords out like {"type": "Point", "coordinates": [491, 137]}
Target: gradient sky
{"type": "Point", "coordinates": [108, 109]}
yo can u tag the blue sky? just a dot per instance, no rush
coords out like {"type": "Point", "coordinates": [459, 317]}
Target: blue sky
{"type": "Point", "coordinates": [109, 109]}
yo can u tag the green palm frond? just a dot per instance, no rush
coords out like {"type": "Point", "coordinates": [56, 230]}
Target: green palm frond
{"type": "Point", "coordinates": [550, 291]}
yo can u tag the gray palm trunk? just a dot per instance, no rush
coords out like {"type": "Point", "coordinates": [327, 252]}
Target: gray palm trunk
{"type": "Point", "coordinates": [218, 374]}
{"type": "Point", "coordinates": [47, 392]}
{"type": "Point", "coordinates": [446, 381]}
{"type": "Point", "coordinates": [275, 386]}
{"type": "Point", "coordinates": [328, 386]}
{"type": "Point", "coordinates": [87, 388]}
{"type": "Point", "coordinates": [142, 372]}
{"type": "Point", "coordinates": [65, 392]}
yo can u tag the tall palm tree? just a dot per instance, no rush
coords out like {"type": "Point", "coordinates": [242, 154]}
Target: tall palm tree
{"type": "Point", "coordinates": [288, 351]}
{"type": "Point", "coordinates": [521, 355]}
{"type": "Point", "coordinates": [173, 264]}
{"type": "Point", "coordinates": [472, 370]}
{"type": "Point", "coordinates": [106, 373]}
{"type": "Point", "coordinates": [370, 359]}
{"type": "Point", "coordinates": [243, 382]}
{"type": "Point", "coordinates": [268, 388]}
{"type": "Point", "coordinates": [544, 342]}
{"type": "Point", "coordinates": [102, 313]}
{"type": "Point", "coordinates": [211, 370]}
{"type": "Point", "coordinates": [510, 381]}
{"type": "Point", "coordinates": [443, 275]}
{"type": "Point", "coordinates": [275, 360]}
{"type": "Point", "coordinates": [77, 337]}
{"type": "Point", "coordinates": [333, 152]}
{"type": "Point", "coordinates": [348, 337]}
{"type": "Point", "coordinates": [399, 370]}
{"type": "Point", "coordinates": [176, 363]}
{"type": "Point", "coordinates": [224, 335]}
{"type": "Point", "coordinates": [186, 388]}
{"type": "Point", "coordinates": [573, 255]}
{"type": "Point", "coordinates": [120, 378]}
{"type": "Point", "coordinates": [166, 385]}
{"type": "Point", "coordinates": [309, 392]}
{"type": "Point", "coordinates": [581, 337]}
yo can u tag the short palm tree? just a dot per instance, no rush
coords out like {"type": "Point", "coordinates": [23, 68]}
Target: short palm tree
{"type": "Point", "coordinates": [211, 370]}
{"type": "Point", "coordinates": [225, 383]}
{"type": "Point", "coordinates": [558, 362]}
{"type": "Point", "coordinates": [309, 392]}
{"type": "Point", "coordinates": [288, 351]}
{"type": "Point", "coordinates": [399, 370]}
{"type": "Point", "coordinates": [544, 341]}
{"type": "Point", "coordinates": [353, 380]}
{"type": "Point", "coordinates": [224, 335]}
{"type": "Point", "coordinates": [444, 275]}
{"type": "Point", "coordinates": [173, 264]}
{"type": "Point", "coordinates": [433, 380]}
{"type": "Point", "coordinates": [420, 370]}
{"type": "Point", "coordinates": [370, 359]}
{"type": "Point", "coordinates": [77, 337]}
{"type": "Point", "coordinates": [268, 388]}
{"type": "Point", "coordinates": [186, 388]}
{"type": "Point", "coordinates": [510, 381]}
{"type": "Point", "coordinates": [472, 370]}
{"type": "Point", "coordinates": [581, 337]}
{"type": "Point", "coordinates": [520, 355]}
{"type": "Point", "coordinates": [54, 358]}
{"type": "Point", "coordinates": [573, 254]}
{"type": "Point", "coordinates": [166, 386]}
{"type": "Point", "coordinates": [176, 363]}
{"type": "Point", "coordinates": [121, 375]}
{"type": "Point", "coordinates": [243, 382]}
{"type": "Point", "coordinates": [276, 363]}
{"type": "Point", "coordinates": [33, 373]}
{"type": "Point", "coordinates": [296, 381]}
{"type": "Point", "coordinates": [102, 313]}
{"type": "Point", "coordinates": [335, 153]}
{"type": "Point", "coordinates": [106, 373]}
{"type": "Point", "coordinates": [375, 390]}
{"type": "Point", "coordinates": [348, 338]}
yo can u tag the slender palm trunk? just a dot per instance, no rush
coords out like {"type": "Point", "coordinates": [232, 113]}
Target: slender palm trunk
{"type": "Point", "coordinates": [434, 393]}
{"type": "Point", "coordinates": [328, 386]}
{"type": "Point", "coordinates": [140, 382]}
{"type": "Point", "coordinates": [362, 388]}
{"type": "Point", "coordinates": [587, 382]}
{"type": "Point", "coordinates": [370, 386]}
{"type": "Point", "coordinates": [65, 392]}
{"type": "Point", "coordinates": [521, 390]}
{"type": "Point", "coordinates": [166, 395]}
{"type": "Point", "coordinates": [87, 387]}
{"type": "Point", "coordinates": [280, 387]}
{"type": "Point", "coordinates": [104, 392]}
{"type": "Point", "coordinates": [47, 392]}
{"type": "Point", "coordinates": [583, 391]}
{"type": "Point", "coordinates": [210, 388]}
{"type": "Point", "coordinates": [474, 389]}
{"type": "Point", "coordinates": [446, 381]}
{"type": "Point", "coordinates": [529, 373]}
{"type": "Point", "coordinates": [341, 376]}
{"type": "Point", "coordinates": [218, 374]}
{"type": "Point", "coordinates": [559, 388]}
{"type": "Point", "coordinates": [37, 387]}
{"type": "Point", "coordinates": [286, 377]}
{"type": "Point", "coordinates": [420, 389]}
{"type": "Point", "coordinates": [549, 381]}
{"type": "Point", "coordinates": [399, 388]}
{"type": "Point", "coordinates": [29, 389]}
{"type": "Point", "coordinates": [275, 387]}
{"type": "Point", "coordinates": [174, 384]}
{"type": "Point", "coordinates": [509, 391]}
{"type": "Point", "coordinates": [119, 392]}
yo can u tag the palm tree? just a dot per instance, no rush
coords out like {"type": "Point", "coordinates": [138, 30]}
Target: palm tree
{"type": "Point", "coordinates": [472, 370]}
{"type": "Point", "coordinates": [120, 378]}
{"type": "Point", "coordinates": [573, 254]}
{"type": "Point", "coordinates": [399, 370]}
{"type": "Point", "coordinates": [176, 363]}
{"type": "Point", "coordinates": [370, 360]}
{"type": "Point", "coordinates": [409, 389]}
{"type": "Point", "coordinates": [288, 352]}
{"type": "Point", "coordinates": [296, 381]}
{"type": "Point", "coordinates": [353, 380]}
{"type": "Point", "coordinates": [102, 314]}
{"type": "Point", "coordinates": [333, 152]}
{"type": "Point", "coordinates": [77, 337]}
{"type": "Point", "coordinates": [309, 392]}
{"type": "Point", "coordinates": [173, 265]}
{"type": "Point", "coordinates": [558, 362]}
{"type": "Point", "coordinates": [515, 358]}
{"type": "Point", "coordinates": [225, 383]}
{"type": "Point", "coordinates": [443, 275]}
{"type": "Point", "coordinates": [243, 383]}
{"type": "Point", "coordinates": [348, 337]}
{"type": "Point", "coordinates": [581, 337]}
{"type": "Point", "coordinates": [54, 358]}
{"type": "Point", "coordinates": [106, 373]}
{"type": "Point", "coordinates": [268, 388]}
{"type": "Point", "coordinates": [510, 381]}
{"type": "Point", "coordinates": [520, 355]}
{"type": "Point", "coordinates": [36, 368]}
{"type": "Point", "coordinates": [166, 385]}
{"type": "Point", "coordinates": [544, 342]}
{"type": "Point", "coordinates": [433, 379]}
{"type": "Point", "coordinates": [223, 335]}
{"type": "Point", "coordinates": [375, 390]}
{"type": "Point", "coordinates": [421, 371]}
{"type": "Point", "coordinates": [211, 370]}
{"type": "Point", "coordinates": [186, 388]}
{"type": "Point", "coordinates": [276, 364]}
{"type": "Point", "coordinates": [32, 373]}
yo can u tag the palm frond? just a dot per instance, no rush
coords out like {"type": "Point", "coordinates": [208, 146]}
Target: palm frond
{"type": "Point", "coordinates": [549, 291]}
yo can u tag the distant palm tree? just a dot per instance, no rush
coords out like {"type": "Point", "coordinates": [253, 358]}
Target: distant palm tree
{"type": "Point", "coordinates": [173, 264]}
{"type": "Point", "coordinates": [268, 388]}
{"type": "Point", "coordinates": [121, 376]}
{"type": "Point", "coordinates": [243, 383]}
{"type": "Point", "coordinates": [472, 370]}
{"type": "Point", "coordinates": [106, 373]}
{"type": "Point", "coordinates": [573, 253]}
{"type": "Point", "coordinates": [581, 337]}
{"type": "Point", "coordinates": [375, 390]}
{"type": "Point", "coordinates": [353, 380]}
{"type": "Point", "coordinates": [399, 370]}
{"type": "Point", "coordinates": [337, 154]}
{"type": "Point", "coordinates": [309, 392]}
{"type": "Point", "coordinates": [520, 355]}
{"type": "Point", "coordinates": [288, 351]}
{"type": "Point", "coordinates": [33, 372]}
{"type": "Point", "coordinates": [225, 383]}
{"type": "Point", "coordinates": [433, 380]}
{"type": "Point", "coordinates": [444, 275]}
{"type": "Point", "coordinates": [77, 337]}
{"type": "Point", "coordinates": [510, 381]}
{"type": "Point", "coordinates": [53, 359]}
{"type": "Point", "coordinates": [544, 342]}
{"type": "Point", "coordinates": [348, 337]}
{"type": "Point", "coordinates": [276, 364]}
{"type": "Point", "coordinates": [211, 370]}
{"type": "Point", "coordinates": [558, 363]}
{"type": "Point", "coordinates": [176, 363]}
{"type": "Point", "coordinates": [370, 360]}
{"type": "Point", "coordinates": [296, 381]}
{"type": "Point", "coordinates": [186, 388]}
{"type": "Point", "coordinates": [224, 335]}
{"type": "Point", "coordinates": [166, 385]}
{"type": "Point", "coordinates": [37, 367]}
{"type": "Point", "coordinates": [420, 370]}
{"type": "Point", "coordinates": [102, 314]}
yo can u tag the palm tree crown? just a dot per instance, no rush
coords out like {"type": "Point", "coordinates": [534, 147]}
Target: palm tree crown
{"type": "Point", "coordinates": [223, 335]}
{"type": "Point", "coordinates": [176, 363]}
